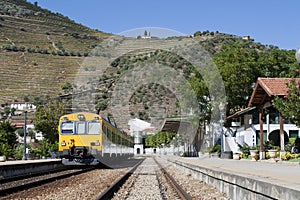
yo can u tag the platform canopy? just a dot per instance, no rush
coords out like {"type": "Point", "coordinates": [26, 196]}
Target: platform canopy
{"type": "Point", "coordinates": [138, 125]}
{"type": "Point", "coordinates": [241, 112]}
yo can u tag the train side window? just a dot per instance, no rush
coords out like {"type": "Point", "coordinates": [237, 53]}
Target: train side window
{"type": "Point", "coordinates": [109, 135]}
{"type": "Point", "coordinates": [67, 128]}
{"type": "Point", "coordinates": [94, 128]}
{"type": "Point", "coordinates": [81, 128]}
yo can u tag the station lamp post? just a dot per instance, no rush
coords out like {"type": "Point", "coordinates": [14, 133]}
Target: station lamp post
{"type": "Point", "coordinates": [222, 107]}
{"type": "Point", "coordinates": [24, 153]}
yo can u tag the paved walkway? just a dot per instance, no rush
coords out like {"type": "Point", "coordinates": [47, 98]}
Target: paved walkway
{"type": "Point", "coordinates": [282, 173]}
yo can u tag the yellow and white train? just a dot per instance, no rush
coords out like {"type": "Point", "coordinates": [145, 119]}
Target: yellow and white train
{"type": "Point", "coordinates": [89, 139]}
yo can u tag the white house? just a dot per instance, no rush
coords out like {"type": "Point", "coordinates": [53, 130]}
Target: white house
{"type": "Point", "coordinates": [139, 129]}
{"type": "Point", "coordinates": [247, 130]}
{"type": "Point", "coordinates": [271, 126]}
{"type": "Point", "coordinates": [23, 106]}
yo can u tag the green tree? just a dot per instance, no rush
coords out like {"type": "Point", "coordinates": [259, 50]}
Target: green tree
{"type": "Point", "coordinates": [67, 87]}
{"type": "Point", "coordinates": [101, 105]}
{"type": "Point", "coordinates": [237, 64]}
{"type": "Point", "coordinates": [159, 139]}
{"type": "Point", "coordinates": [12, 110]}
{"type": "Point", "coordinates": [242, 62]}
{"type": "Point", "coordinates": [289, 105]}
{"type": "Point", "coordinates": [26, 99]}
{"type": "Point", "coordinates": [6, 110]}
{"type": "Point", "coordinates": [276, 62]}
{"type": "Point", "coordinates": [8, 139]}
{"type": "Point", "coordinates": [47, 118]}
{"type": "Point", "coordinates": [44, 148]}
{"type": "Point", "coordinates": [197, 33]}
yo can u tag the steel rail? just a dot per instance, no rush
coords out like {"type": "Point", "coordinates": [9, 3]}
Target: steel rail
{"type": "Point", "coordinates": [179, 190]}
{"type": "Point", "coordinates": [109, 192]}
{"type": "Point", "coordinates": [33, 183]}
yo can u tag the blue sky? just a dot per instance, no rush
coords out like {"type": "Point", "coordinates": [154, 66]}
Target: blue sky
{"type": "Point", "coordinates": [273, 22]}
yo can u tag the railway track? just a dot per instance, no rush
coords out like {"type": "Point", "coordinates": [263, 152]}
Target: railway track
{"type": "Point", "coordinates": [179, 190]}
{"type": "Point", "coordinates": [152, 178]}
{"type": "Point", "coordinates": [70, 184]}
{"type": "Point", "coordinates": [150, 181]}
{"type": "Point", "coordinates": [110, 192]}
{"type": "Point", "coordinates": [16, 184]}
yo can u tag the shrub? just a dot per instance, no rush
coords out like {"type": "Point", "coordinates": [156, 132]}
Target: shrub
{"type": "Point", "coordinates": [288, 156]}
{"type": "Point", "coordinates": [292, 140]}
{"type": "Point", "coordinates": [215, 149]}
{"type": "Point", "coordinates": [5, 149]}
{"type": "Point", "coordinates": [245, 149]}
{"type": "Point", "coordinates": [18, 152]}
{"type": "Point", "coordinates": [270, 145]}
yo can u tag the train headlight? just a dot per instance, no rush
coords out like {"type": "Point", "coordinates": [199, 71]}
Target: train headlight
{"type": "Point", "coordinates": [65, 118]}
{"type": "Point", "coordinates": [63, 143]}
{"type": "Point", "coordinates": [81, 117]}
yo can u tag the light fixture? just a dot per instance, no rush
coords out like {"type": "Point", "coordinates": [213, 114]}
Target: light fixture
{"type": "Point", "coordinates": [81, 117]}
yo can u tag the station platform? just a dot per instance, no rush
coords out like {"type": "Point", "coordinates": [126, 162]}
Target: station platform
{"type": "Point", "coordinates": [21, 162]}
{"type": "Point", "coordinates": [11, 169]}
{"type": "Point", "coordinates": [262, 179]}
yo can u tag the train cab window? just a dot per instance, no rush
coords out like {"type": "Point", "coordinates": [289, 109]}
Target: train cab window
{"type": "Point", "coordinates": [67, 128]}
{"type": "Point", "coordinates": [94, 128]}
{"type": "Point", "coordinates": [80, 128]}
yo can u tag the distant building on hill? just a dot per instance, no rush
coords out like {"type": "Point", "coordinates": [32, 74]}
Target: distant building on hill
{"type": "Point", "coordinates": [247, 37]}
{"type": "Point", "coordinates": [146, 35]}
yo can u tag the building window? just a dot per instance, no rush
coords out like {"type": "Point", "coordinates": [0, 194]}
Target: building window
{"type": "Point", "coordinates": [293, 133]}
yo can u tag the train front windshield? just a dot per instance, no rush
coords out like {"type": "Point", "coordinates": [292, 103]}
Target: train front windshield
{"type": "Point", "coordinates": [80, 127]}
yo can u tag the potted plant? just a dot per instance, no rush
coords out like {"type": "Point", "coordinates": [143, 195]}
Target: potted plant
{"type": "Point", "coordinates": [236, 156]}
{"type": "Point", "coordinates": [215, 150]}
{"type": "Point", "coordinates": [3, 149]}
{"type": "Point", "coordinates": [272, 150]}
{"type": "Point", "coordinates": [254, 153]}
{"type": "Point", "coordinates": [272, 153]}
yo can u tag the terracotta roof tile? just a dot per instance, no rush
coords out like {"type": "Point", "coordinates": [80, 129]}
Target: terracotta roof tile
{"type": "Point", "coordinates": [274, 86]}
{"type": "Point", "coordinates": [267, 88]}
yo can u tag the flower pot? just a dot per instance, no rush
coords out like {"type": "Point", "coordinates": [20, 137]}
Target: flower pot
{"type": "Point", "coordinates": [254, 155]}
{"type": "Point", "coordinates": [272, 154]}
{"type": "Point", "coordinates": [2, 158]}
{"type": "Point", "coordinates": [236, 156]}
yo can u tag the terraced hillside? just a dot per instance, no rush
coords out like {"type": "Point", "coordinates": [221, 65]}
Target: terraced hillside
{"type": "Point", "coordinates": [39, 50]}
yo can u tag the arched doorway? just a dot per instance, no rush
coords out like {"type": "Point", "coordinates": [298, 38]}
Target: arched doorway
{"type": "Point", "coordinates": [138, 151]}
{"type": "Point", "coordinates": [274, 137]}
